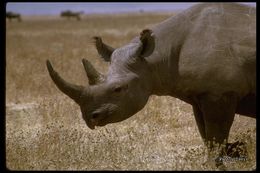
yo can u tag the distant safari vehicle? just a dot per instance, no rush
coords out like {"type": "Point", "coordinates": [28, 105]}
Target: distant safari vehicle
{"type": "Point", "coordinates": [69, 14]}
{"type": "Point", "coordinates": [11, 15]}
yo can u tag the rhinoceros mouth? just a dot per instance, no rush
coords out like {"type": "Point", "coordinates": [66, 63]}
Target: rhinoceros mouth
{"type": "Point", "coordinates": [92, 126]}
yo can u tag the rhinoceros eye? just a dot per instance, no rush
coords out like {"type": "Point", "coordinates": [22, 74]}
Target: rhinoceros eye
{"type": "Point", "coordinates": [118, 89]}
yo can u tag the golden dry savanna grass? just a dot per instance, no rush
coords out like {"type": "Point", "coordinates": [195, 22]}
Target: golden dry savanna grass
{"type": "Point", "coordinates": [44, 128]}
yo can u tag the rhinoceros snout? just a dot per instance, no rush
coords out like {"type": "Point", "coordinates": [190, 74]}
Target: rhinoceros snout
{"type": "Point", "coordinates": [95, 119]}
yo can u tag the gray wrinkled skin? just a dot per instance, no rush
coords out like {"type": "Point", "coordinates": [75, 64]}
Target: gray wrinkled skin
{"type": "Point", "coordinates": [205, 56]}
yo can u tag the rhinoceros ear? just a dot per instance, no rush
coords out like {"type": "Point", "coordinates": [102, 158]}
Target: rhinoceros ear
{"type": "Point", "coordinates": [104, 50]}
{"type": "Point", "coordinates": [148, 42]}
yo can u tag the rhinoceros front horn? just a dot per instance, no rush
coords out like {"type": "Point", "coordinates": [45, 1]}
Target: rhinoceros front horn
{"type": "Point", "coordinates": [71, 90]}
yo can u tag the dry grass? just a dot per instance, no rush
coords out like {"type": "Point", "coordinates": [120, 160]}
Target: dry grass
{"type": "Point", "coordinates": [44, 128]}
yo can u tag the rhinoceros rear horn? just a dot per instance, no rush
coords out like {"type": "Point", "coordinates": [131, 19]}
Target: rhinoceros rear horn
{"type": "Point", "coordinates": [73, 91]}
{"type": "Point", "coordinates": [148, 42]}
{"type": "Point", "coordinates": [94, 77]}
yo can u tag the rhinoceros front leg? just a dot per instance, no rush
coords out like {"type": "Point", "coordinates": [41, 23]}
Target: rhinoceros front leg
{"type": "Point", "coordinates": [199, 120]}
{"type": "Point", "coordinates": [218, 115]}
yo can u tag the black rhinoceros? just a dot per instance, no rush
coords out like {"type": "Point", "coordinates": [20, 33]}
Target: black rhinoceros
{"type": "Point", "coordinates": [205, 56]}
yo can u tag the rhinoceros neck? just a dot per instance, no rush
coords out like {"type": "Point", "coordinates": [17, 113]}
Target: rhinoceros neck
{"type": "Point", "coordinates": [163, 63]}
{"type": "Point", "coordinates": [162, 78]}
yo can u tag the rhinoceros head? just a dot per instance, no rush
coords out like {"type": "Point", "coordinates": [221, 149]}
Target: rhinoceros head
{"type": "Point", "coordinates": [122, 92]}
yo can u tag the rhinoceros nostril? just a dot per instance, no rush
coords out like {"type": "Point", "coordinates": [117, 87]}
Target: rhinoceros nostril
{"type": "Point", "coordinates": [95, 115]}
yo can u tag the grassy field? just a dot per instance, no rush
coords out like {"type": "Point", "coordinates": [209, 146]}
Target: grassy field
{"type": "Point", "coordinates": [45, 130]}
